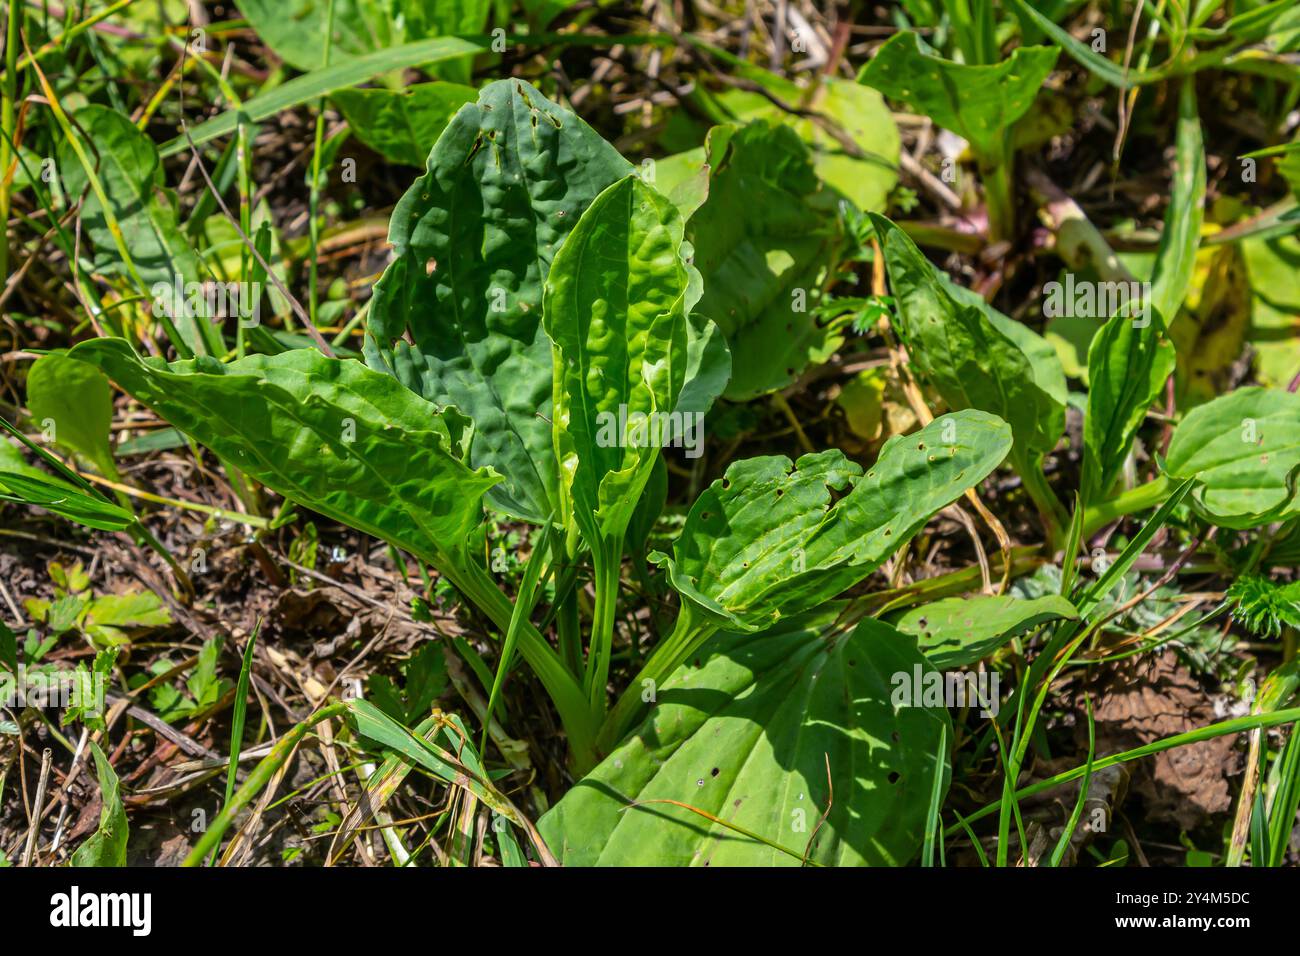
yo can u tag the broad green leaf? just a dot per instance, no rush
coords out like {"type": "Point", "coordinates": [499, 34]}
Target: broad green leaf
{"type": "Point", "coordinates": [295, 29]}
{"type": "Point", "coordinates": [352, 444]}
{"type": "Point", "coordinates": [322, 82]}
{"type": "Point", "coordinates": [131, 174]}
{"type": "Point", "coordinates": [141, 609]}
{"type": "Point", "coordinates": [1176, 255]}
{"type": "Point", "coordinates": [473, 240]}
{"type": "Point", "coordinates": [107, 845]}
{"type": "Point", "coordinates": [747, 735]}
{"type": "Point", "coordinates": [615, 307]}
{"type": "Point", "coordinates": [73, 402]}
{"type": "Point", "coordinates": [684, 179]}
{"type": "Point", "coordinates": [1128, 365]}
{"type": "Point", "coordinates": [12, 460]}
{"type": "Point", "coordinates": [1245, 449]}
{"type": "Point", "coordinates": [708, 364]}
{"type": "Point", "coordinates": [864, 172]}
{"type": "Point", "coordinates": [969, 358]}
{"type": "Point", "coordinates": [957, 632]}
{"type": "Point", "coordinates": [62, 499]}
{"type": "Point", "coordinates": [980, 103]}
{"type": "Point", "coordinates": [867, 175]}
{"type": "Point", "coordinates": [1272, 265]}
{"type": "Point", "coordinates": [848, 128]}
{"type": "Point", "coordinates": [765, 242]}
{"type": "Point", "coordinates": [401, 124]}
{"type": "Point", "coordinates": [771, 539]}
{"type": "Point", "coordinates": [1044, 361]}
{"type": "Point", "coordinates": [329, 434]}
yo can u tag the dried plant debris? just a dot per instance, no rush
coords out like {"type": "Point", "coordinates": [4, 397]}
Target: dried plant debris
{"type": "Point", "coordinates": [1145, 699]}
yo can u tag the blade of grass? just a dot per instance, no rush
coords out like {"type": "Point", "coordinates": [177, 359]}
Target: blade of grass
{"type": "Point", "coordinates": [380, 785]}
{"type": "Point", "coordinates": [1057, 652]}
{"type": "Point", "coordinates": [461, 769]}
{"type": "Point", "coordinates": [932, 828]}
{"type": "Point", "coordinates": [313, 200]}
{"type": "Point", "coordinates": [238, 716]}
{"type": "Point", "coordinates": [1064, 842]}
{"type": "Point", "coordinates": [138, 530]}
{"type": "Point", "coordinates": [257, 780]}
{"type": "Point", "coordinates": [1097, 64]}
{"type": "Point", "coordinates": [525, 601]}
{"type": "Point", "coordinates": [244, 238]}
{"type": "Point", "coordinates": [1236, 725]}
{"type": "Point", "coordinates": [1070, 558]}
{"type": "Point", "coordinates": [242, 158]}
{"type": "Point", "coordinates": [1259, 848]}
{"type": "Point", "coordinates": [1285, 799]}
{"type": "Point", "coordinates": [1180, 238]}
{"type": "Point", "coordinates": [1277, 689]}
{"type": "Point", "coordinates": [1113, 574]}
{"type": "Point", "coordinates": [8, 97]}
{"type": "Point", "coordinates": [318, 83]}
{"type": "Point", "coordinates": [1271, 151]}
{"type": "Point", "coordinates": [110, 219]}
{"type": "Point", "coordinates": [974, 841]}
{"type": "Point", "coordinates": [240, 713]}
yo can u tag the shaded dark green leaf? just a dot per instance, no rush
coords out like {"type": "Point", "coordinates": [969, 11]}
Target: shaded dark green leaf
{"type": "Point", "coordinates": [474, 239]}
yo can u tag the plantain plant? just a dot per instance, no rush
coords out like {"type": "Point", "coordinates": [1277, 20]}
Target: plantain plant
{"type": "Point", "coordinates": [542, 333]}
{"type": "Point", "coordinates": [539, 293]}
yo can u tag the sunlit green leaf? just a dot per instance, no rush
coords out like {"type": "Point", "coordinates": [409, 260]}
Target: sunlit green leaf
{"type": "Point", "coordinates": [330, 434]}
{"type": "Point", "coordinates": [978, 102]}
{"type": "Point", "coordinates": [969, 358]}
{"type": "Point", "coordinates": [765, 241]}
{"type": "Point", "coordinates": [956, 632]}
{"type": "Point", "coordinates": [1245, 449]}
{"type": "Point", "coordinates": [73, 400]}
{"type": "Point", "coordinates": [757, 734]}
{"type": "Point", "coordinates": [1128, 364]}
{"type": "Point", "coordinates": [615, 307]}
{"type": "Point", "coordinates": [107, 845]}
{"type": "Point", "coordinates": [771, 539]}
{"type": "Point", "coordinates": [296, 29]}
{"type": "Point", "coordinates": [402, 125]}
